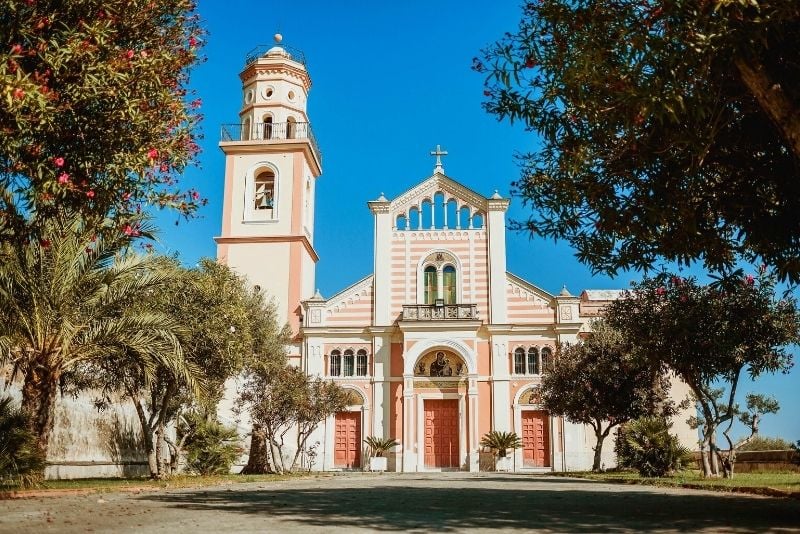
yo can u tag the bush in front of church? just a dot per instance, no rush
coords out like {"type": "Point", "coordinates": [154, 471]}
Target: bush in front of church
{"type": "Point", "coordinates": [211, 447]}
{"type": "Point", "coordinates": [21, 462]}
{"type": "Point", "coordinates": [646, 445]}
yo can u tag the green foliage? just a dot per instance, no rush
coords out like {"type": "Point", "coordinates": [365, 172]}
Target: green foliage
{"type": "Point", "coordinates": [501, 441]}
{"type": "Point", "coordinates": [709, 336]}
{"type": "Point", "coordinates": [379, 446]}
{"type": "Point", "coordinates": [21, 462]}
{"type": "Point", "coordinates": [94, 109]}
{"type": "Point", "coordinates": [211, 447]}
{"type": "Point", "coordinates": [601, 383]}
{"type": "Point", "coordinates": [66, 302]}
{"type": "Point", "coordinates": [766, 443]}
{"type": "Point", "coordinates": [669, 128]}
{"type": "Point", "coordinates": [647, 446]}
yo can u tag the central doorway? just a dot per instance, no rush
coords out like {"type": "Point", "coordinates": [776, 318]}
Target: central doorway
{"type": "Point", "coordinates": [441, 434]}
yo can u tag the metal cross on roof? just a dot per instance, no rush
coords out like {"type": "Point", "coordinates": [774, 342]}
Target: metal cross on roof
{"type": "Point", "coordinates": [438, 153]}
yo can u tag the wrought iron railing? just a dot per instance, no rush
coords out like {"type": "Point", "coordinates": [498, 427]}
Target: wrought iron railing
{"type": "Point", "coordinates": [269, 131]}
{"type": "Point", "coordinates": [439, 312]}
{"type": "Point", "coordinates": [261, 50]}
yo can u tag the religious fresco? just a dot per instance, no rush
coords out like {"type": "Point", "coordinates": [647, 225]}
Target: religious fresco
{"type": "Point", "coordinates": [440, 363]}
{"type": "Point", "coordinates": [532, 396]}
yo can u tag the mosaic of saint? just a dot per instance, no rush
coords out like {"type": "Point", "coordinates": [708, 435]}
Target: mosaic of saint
{"type": "Point", "coordinates": [532, 396]}
{"type": "Point", "coordinates": [440, 363]}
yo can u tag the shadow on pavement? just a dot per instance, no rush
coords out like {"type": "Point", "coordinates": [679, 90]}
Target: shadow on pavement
{"type": "Point", "coordinates": [452, 509]}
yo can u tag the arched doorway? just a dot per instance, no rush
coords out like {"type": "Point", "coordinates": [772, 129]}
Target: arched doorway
{"type": "Point", "coordinates": [534, 428]}
{"type": "Point", "coordinates": [348, 433]}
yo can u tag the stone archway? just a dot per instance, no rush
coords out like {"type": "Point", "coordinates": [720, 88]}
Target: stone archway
{"type": "Point", "coordinates": [453, 385]}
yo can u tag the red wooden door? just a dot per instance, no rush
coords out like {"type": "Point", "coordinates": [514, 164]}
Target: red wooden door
{"type": "Point", "coordinates": [347, 449]}
{"type": "Point", "coordinates": [535, 439]}
{"type": "Point", "coordinates": [441, 433]}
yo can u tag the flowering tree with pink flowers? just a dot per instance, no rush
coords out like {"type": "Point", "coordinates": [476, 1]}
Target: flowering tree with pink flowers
{"type": "Point", "coordinates": [95, 114]}
{"type": "Point", "coordinates": [709, 336]}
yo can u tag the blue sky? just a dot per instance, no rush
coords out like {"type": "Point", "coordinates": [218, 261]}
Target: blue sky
{"type": "Point", "coordinates": [391, 80]}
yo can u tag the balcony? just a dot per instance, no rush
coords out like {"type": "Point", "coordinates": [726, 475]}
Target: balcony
{"type": "Point", "coordinates": [440, 312]}
{"type": "Point", "coordinates": [261, 51]}
{"type": "Point", "coordinates": [269, 131]}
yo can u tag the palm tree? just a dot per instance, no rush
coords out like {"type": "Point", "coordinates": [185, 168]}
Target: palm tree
{"type": "Point", "coordinates": [65, 301]}
{"type": "Point", "coordinates": [501, 441]}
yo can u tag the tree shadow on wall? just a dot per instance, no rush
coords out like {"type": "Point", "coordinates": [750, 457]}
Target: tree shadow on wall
{"type": "Point", "coordinates": [452, 509]}
{"type": "Point", "coordinates": [123, 443]}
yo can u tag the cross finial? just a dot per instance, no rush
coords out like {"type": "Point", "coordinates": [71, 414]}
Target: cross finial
{"type": "Point", "coordinates": [438, 153]}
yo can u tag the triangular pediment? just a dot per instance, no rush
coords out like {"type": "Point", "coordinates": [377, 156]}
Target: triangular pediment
{"type": "Point", "coordinates": [439, 183]}
{"type": "Point", "coordinates": [353, 293]}
{"type": "Point", "coordinates": [535, 293]}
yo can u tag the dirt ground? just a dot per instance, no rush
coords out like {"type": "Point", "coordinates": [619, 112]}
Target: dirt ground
{"type": "Point", "coordinates": [429, 502]}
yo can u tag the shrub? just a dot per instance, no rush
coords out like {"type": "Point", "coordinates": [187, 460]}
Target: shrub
{"type": "Point", "coordinates": [647, 446]}
{"type": "Point", "coordinates": [380, 446]}
{"type": "Point", "coordinates": [21, 462]}
{"type": "Point", "coordinates": [765, 443]}
{"type": "Point", "coordinates": [501, 441]}
{"type": "Point", "coordinates": [211, 447]}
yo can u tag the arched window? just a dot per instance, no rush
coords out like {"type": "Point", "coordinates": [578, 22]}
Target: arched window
{"type": "Point", "coordinates": [361, 363]}
{"type": "Point", "coordinates": [519, 361]}
{"type": "Point", "coordinates": [348, 362]}
{"type": "Point", "coordinates": [533, 361]}
{"type": "Point", "coordinates": [336, 363]}
{"type": "Point", "coordinates": [264, 190]}
{"type": "Point", "coordinates": [291, 128]}
{"type": "Point", "coordinates": [430, 283]}
{"type": "Point", "coordinates": [449, 284]}
{"type": "Point", "coordinates": [547, 359]}
{"type": "Point", "coordinates": [267, 127]}
{"type": "Point", "coordinates": [246, 130]}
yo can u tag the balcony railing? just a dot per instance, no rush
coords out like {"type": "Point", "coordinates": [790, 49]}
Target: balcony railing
{"type": "Point", "coordinates": [269, 131]}
{"type": "Point", "coordinates": [261, 50]}
{"type": "Point", "coordinates": [440, 312]}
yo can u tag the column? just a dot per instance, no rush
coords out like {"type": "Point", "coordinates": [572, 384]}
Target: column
{"type": "Point", "coordinates": [409, 425]}
{"type": "Point", "coordinates": [474, 438]}
{"type": "Point", "coordinates": [382, 261]}
{"type": "Point", "coordinates": [496, 228]}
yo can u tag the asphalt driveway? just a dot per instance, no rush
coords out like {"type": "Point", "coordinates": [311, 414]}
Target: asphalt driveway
{"type": "Point", "coordinates": [446, 502]}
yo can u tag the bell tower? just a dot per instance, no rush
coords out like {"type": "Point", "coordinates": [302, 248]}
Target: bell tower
{"type": "Point", "coordinates": [271, 165]}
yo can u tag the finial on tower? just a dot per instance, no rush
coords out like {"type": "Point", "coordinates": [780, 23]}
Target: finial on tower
{"type": "Point", "coordinates": [278, 38]}
{"type": "Point", "coordinates": [438, 169]}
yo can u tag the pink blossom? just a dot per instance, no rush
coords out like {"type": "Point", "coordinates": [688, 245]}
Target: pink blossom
{"type": "Point", "coordinates": [58, 162]}
{"type": "Point", "coordinates": [661, 291]}
{"type": "Point", "coordinates": [129, 54]}
{"type": "Point", "coordinates": [152, 153]}
{"type": "Point", "coordinates": [63, 178]}
{"type": "Point", "coordinates": [90, 193]}
{"type": "Point", "coordinates": [749, 280]}
{"type": "Point", "coordinates": [19, 93]}
{"type": "Point", "coordinates": [192, 42]}
{"type": "Point", "coordinates": [126, 197]}
{"type": "Point", "coordinates": [16, 49]}
{"type": "Point", "coordinates": [195, 195]}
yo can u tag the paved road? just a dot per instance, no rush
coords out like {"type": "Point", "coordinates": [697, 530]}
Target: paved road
{"type": "Point", "coordinates": [447, 502]}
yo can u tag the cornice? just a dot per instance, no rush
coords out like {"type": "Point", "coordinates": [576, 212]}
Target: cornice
{"type": "Point", "coordinates": [275, 147]}
{"type": "Point", "coordinates": [230, 240]}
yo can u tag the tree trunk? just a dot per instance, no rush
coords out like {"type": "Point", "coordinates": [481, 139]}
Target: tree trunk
{"type": "Point", "coordinates": [147, 436]}
{"type": "Point", "coordinates": [704, 453]}
{"type": "Point", "coordinates": [258, 461]}
{"type": "Point", "coordinates": [39, 393]}
{"type": "Point", "coordinates": [773, 100]}
{"type": "Point", "coordinates": [598, 450]}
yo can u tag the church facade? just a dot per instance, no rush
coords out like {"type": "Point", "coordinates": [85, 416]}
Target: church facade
{"type": "Point", "coordinates": [440, 344]}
